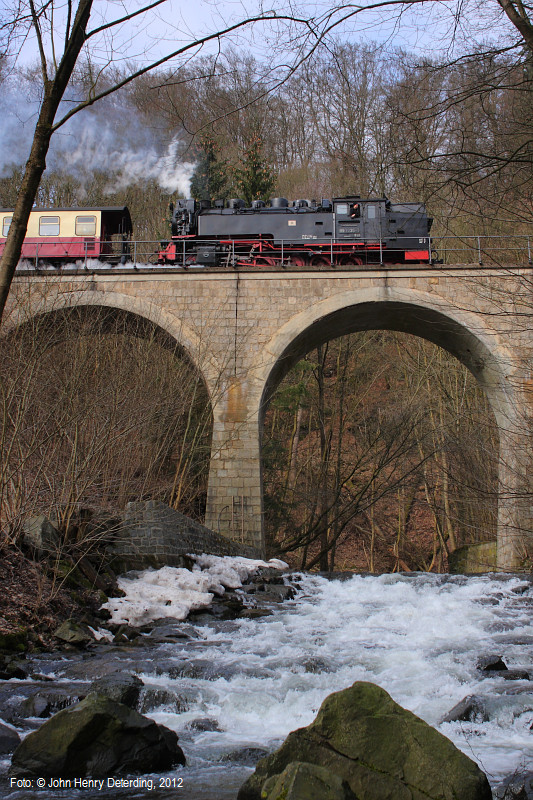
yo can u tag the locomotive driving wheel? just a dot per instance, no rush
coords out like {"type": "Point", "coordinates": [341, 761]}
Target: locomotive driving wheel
{"type": "Point", "coordinates": [265, 261]}
{"type": "Point", "coordinates": [298, 260]}
{"type": "Point", "coordinates": [351, 261]}
{"type": "Point", "coordinates": [320, 261]}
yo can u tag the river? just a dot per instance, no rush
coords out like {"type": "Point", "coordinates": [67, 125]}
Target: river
{"type": "Point", "coordinates": [234, 689]}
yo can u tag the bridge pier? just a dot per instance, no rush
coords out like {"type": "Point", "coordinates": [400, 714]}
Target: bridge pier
{"type": "Point", "coordinates": [515, 518]}
{"type": "Point", "coordinates": [234, 501]}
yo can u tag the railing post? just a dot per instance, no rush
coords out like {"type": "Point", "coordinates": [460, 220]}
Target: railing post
{"type": "Point", "coordinates": [479, 251]}
{"type": "Point", "coordinates": [528, 251]}
{"type": "Point", "coordinates": [37, 256]}
{"type": "Point", "coordinates": [380, 250]}
{"type": "Point", "coordinates": [430, 252]}
{"type": "Point", "coordinates": [331, 250]}
{"type": "Point", "coordinates": [282, 256]}
{"type": "Point", "coordinates": [85, 258]}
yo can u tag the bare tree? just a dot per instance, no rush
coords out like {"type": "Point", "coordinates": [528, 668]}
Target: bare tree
{"type": "Point", "coordinates": [57, 65]}
{"type": "Point", "coordinates": [59, 53]}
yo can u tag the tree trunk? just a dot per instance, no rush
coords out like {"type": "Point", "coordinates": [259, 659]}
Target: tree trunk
{"type": "Point", "coordinates": [53, 93]}
{"type": "Point", "coordinates": [35, 167]}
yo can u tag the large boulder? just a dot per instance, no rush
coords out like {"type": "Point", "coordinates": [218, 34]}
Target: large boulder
{"type": "Point", "coordinates": [119, 686]}
{"type": "Point", "coordinates": [301, 781]}
{"type": "Point", "coordinates": [9, 739]}
{"type": "Point", "coordinates": [379, 748]}
{"type": "Point", "coordinates": [97, 737]}
{"type": "Point", "coordinates": [72, 632]}
{"type": "Point", "coordinates": [39, 534]}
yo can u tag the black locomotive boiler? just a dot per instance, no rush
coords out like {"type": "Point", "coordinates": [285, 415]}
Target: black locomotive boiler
{"type": "Point", "coordinates": [346, 231]}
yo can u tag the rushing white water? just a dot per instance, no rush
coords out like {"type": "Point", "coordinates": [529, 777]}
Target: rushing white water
{"type": "Point", "coordinates": [419, 637]}
{"type": "Point", "coordinates": [241, 686]}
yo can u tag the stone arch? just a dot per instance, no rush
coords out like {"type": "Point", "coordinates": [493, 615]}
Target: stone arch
{"type": "Point", "coordinates": [462, 333]}
{"type": "Point", "coordinates": [50, 302]}
{"type": "Point", "coordinates": [170, 331]}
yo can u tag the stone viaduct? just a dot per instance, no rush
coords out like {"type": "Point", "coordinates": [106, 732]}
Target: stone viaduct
{"type": "Point", "coordinates": [244, 330]}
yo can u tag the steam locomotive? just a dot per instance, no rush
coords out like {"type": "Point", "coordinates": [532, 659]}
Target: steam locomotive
{"type": "Point", "coordinates": [346, 231]}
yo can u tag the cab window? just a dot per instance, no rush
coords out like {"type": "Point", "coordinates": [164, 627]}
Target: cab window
{"type": "Point", "coordinates": [86, 226]}
{"type": "Point", "coordinates": [5, 225]}
{"type": "Point", "coordinates": [48, 226]}
{"type": "Point", "coordinates": [341, 209]}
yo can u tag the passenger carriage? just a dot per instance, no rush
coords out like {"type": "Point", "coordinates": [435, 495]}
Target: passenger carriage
{"type": "Point", "coordinates": [63, 235]}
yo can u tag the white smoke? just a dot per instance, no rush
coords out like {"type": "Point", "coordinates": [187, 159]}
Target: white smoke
{"type": "Point", "coordinates": [110, 138]}
{"type": "Point", "coordinates": [130, 163]}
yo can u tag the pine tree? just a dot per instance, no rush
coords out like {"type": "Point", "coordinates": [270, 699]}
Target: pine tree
{"type": "Point", "coordinates": [210, 179]}
{"type": "Point", "coordinates": [254, 178]}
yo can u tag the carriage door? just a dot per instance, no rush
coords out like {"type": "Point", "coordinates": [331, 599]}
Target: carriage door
{"type": "Point", "coordinates": [373, 213]}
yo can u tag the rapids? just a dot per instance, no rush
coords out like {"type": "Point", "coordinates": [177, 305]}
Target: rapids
{"type": "Point", "coordinates": [233, 690]}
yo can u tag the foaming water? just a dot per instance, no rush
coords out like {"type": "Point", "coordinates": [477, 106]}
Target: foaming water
{"type": "Point", "coordinates": [419, 637]}
{"type": "Point", "coordinates": [242, 686]}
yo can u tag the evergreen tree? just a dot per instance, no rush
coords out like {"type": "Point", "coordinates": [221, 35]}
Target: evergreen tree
{"type": "Point", "coordinates": [210, 178]}
{"type": "Point", "coordinates": [254, 178]}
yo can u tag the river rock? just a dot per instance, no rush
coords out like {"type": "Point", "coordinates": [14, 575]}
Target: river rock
{"type": "Point", "coordinates": [9, 739]}
{"type": "Point", "coordinates": [516, 787]}
{"type": "Point", "coordinates": [72, 632]}
{"type": "Point", "coordinates": [204, 725]}
{"type": "Point", "coordinates": [491, 663]}
{"type": "Point", "coordinates": [98, 737]}
{"type": "Point", "coordinates": [45, 703]}
{"type": "Point", "coordinates": [301, 781]}
{"type": "Point", "coordinates": [382, 750]}
{"type": "Point", "coordinates": [469, 709]}
{"type": "Point", "coordinates": [12, 668]}
{"type": "Point", "coordinates": [120, 687]}
{"type": "Point", "coordinates": [246, 756]}
{"type": "Point", "coordinates": [155, 697]}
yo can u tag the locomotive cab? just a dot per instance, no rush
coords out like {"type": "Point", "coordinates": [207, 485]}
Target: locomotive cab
{"type": "Point", "coordinates": [358, 219]}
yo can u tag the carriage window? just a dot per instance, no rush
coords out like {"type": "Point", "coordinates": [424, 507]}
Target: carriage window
{"type": "Point", "coordinates": [48, 226]}
{"type": "Point", "coordinates": [86, 226]}
{"type": "Point", "coordinates": [341, 208]}
{"type": "Point", "coordinates": [371, 212]}
{"type": "Point", "coordinates": [5, 225]}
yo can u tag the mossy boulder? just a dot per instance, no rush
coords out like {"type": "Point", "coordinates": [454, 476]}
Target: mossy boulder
{"type": "Point", "coordinates": [72, 632]}
{"type": "Point", "coordinates": [97, 737]}
{"type": "Point", "coordinates": [14, 641]}
{"type": "Point", "coordinates": [119, 686]}
{"type": "Point", "coordinates": [301, 781]}
{"type": "Point", "coordinates": [379, 748]}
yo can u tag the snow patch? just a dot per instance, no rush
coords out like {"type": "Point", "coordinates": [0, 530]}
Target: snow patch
{"type": "Point", "coordinates": [175, 592]}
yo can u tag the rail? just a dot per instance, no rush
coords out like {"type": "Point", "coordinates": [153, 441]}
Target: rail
{"type": "Point", "coordinates": [485, 250]}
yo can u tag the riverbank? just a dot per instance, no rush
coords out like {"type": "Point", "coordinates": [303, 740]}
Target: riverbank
{"type": "Point", "coordinates": [36, 598]}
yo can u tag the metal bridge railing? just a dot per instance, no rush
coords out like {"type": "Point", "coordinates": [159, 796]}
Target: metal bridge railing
{"type": "Point", "coordinates": [485, 250]}
{"type": "Point", "coordinates": [491, 250]}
